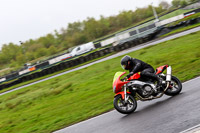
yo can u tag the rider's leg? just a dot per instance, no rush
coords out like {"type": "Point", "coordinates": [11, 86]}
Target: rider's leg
{"type": "Point", "coordinates": [149, 72]}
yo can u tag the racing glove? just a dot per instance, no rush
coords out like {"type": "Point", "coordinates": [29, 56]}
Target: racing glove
{"type": "Point", "coordinates": [130, 74]}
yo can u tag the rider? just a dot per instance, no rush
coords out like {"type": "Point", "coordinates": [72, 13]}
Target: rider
{"type": "Point", "coordinates": [135, 65]}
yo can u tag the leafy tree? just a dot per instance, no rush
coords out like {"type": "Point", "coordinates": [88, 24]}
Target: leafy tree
{"type": "Point", "coordinates": [176, 3]}
{"type": "Point", "coordinates": [52, 50]}
{"type": "Point", "coordinates": [164, 4]}
{"type": "Point", "coordinates": [183, 3]}
{"type": "Point", "coordinates": [20, 59]}
{"type": "Point", "coordinates": [10, 51]}
{"type": "Point", "coordinates": [40, 52]}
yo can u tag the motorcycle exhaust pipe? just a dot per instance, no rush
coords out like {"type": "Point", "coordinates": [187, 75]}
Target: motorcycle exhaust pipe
{"type": "Point", "coordinates": [169, 74]}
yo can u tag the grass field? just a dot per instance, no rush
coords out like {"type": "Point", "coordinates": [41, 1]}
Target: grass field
{"type": "Point", "coordinates": [76, 96]}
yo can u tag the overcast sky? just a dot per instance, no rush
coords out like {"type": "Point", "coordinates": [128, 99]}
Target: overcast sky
{"type": "Point", "coordinates": [21, 20]}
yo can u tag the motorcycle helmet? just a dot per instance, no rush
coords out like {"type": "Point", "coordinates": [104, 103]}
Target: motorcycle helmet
{"type": "Point", "coordinates": [124, 62]}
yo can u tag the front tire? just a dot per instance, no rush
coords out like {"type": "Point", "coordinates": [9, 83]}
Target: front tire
{"type": "Point", "coordinates": [125, 108]}
{"type": "Point", "coordinates": [175, 87]}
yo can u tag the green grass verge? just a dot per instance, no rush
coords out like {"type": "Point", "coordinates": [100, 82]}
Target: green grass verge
{"type": "Point", "coordinates": [79, 95]}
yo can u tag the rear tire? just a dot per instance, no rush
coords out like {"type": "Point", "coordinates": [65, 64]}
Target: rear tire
{"type": "Point", "coordinates": [125, 108]}
{"type": "Point", "coordinates": [175, 87]}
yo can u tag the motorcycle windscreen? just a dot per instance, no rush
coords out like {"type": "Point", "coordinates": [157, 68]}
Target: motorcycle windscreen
{"type": "Point", "coordinates": [117, 74]}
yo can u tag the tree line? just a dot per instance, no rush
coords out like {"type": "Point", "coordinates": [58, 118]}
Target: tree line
{"type": "Point", "coordinates": [76, 33]}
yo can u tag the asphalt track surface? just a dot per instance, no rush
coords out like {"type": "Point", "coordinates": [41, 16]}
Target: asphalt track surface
{"type": "Point", "coordinates": [113, 56]}
{"type": "Point", "coordinates": [164, 115]}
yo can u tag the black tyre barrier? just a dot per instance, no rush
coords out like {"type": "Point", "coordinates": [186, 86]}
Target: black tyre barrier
{"type": "Point", "coordinates": [44, 72]}
{"type": "Point", "coordinates": [192, 21]}
{"type": "Point", "coordinates": [30, 77]}
{"type": "Point", "coordinates": [84, 59]}
{"type": "Point", "coordinates": [116, 48]}
{"type": "Point", "coordinates": [43, 64]}
{"type": "Point", "coordinates": [144, 39]}
{"type": "Point", "coordinates": [53, 69]}
{"type": "Point", "coordinates": [163, 31]}
{"type": "Point", "coordinates": [126, 45]}
{"type": "Point", "coordinates": [87, 57]}
{"type": "Point", "coordinates": [19, 81]}
{"type": "Point", "coordinates": [60, 66]}
{"type": "Point", "coordinates": [81, 59]}
{"type": "Point", "coordinates": [111, 49]}
{"type": "Point", "coordinates": [70, 63]}
{"type": "Point", "coordinates": [38, 74]}
{"type": "Point", "coordinates": [2, 87]}
{"type": "Point", "coordinates": [134, 42]}
{"type": "Point", "coordinates": [49, 71]}
{"type": "Point", "coordinates": [129, 44]}
{"type": "Point", "coordinates": [97, 55]}
{"type": "Point", "coordinates": [141, 40]}
{"type": "Point", "coordinates": [198, 20]}
{"type": "Point", "coordinates": [23, 78]}
{"type": "Point", "coordinates": [56, 68]}
{"type": "Point", "coordinates": [16, 82]}
{"type": "Point", "coordinates": [105, 51]}
{"type": "Point", "coordinates": [123, 47]}
{"type": "Point", "coordinates": [102, 53]}
{"type": "Point", "coordinates": [34, 75]}
{"type": "Point", "coordinates": [75, 62]}
{"type": "Point", "coordinates": [91, 56]}
{"type": "Point", "coordinates": [65, 65]}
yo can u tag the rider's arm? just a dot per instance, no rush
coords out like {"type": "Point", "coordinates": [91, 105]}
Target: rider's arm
{"type": "Point", "coordinates": [135, 69]}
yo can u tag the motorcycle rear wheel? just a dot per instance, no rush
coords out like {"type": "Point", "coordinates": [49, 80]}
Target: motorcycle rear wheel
{"type": "Point", "coordinates": [125, 108]}
{"type": "Point", "coordinates": [175, 87]}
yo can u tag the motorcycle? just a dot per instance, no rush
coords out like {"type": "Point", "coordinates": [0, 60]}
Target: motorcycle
{"type": "Point", "coordinates": [129, 91]}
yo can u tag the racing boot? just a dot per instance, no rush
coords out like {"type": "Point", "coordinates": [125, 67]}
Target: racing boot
{"type": "Point", "coordinates": [158, 79]}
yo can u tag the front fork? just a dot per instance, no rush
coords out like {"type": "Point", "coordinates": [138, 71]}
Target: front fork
{"type": "Point", "coordinates": [125, 94]}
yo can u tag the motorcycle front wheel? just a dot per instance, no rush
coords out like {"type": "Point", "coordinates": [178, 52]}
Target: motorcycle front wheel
{"type": "Point", "coordinates": [125, 108]}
